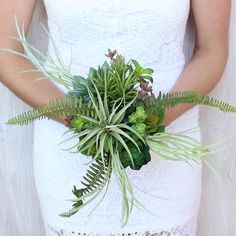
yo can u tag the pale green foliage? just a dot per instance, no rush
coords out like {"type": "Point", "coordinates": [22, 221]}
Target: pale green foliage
{"type": "Point", "coordinates": [181, 147]}
{"type": "Point", "coordinates": [53, 68]}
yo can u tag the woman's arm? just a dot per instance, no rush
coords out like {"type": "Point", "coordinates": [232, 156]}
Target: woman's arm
{"type": "Point", "coordinates": [210, 54]}
{"type": "Point", "coordinates": [34, 94]}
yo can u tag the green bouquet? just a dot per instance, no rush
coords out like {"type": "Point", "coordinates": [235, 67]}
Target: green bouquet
{"type": "Point", "coordinates": [115, 119]}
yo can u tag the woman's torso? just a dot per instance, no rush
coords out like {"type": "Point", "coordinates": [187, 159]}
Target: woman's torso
{"type": "Point", "coordinates": [150, 31]}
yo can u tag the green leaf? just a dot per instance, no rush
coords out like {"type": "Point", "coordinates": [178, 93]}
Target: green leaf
{"type": "Point", "coordinates": [55, 108]}
{"type": "Point", "coordinates": [96, 178]}
{"type": "Point", "coordinates": [172, 99]}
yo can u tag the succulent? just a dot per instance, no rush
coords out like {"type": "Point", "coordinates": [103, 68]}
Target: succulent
{"type": "Point", "coordinates": [140, 158]}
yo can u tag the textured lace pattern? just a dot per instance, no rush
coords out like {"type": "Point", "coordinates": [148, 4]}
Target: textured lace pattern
{"type": "Point", "coordinates": [174, 231]}
{"type": "Point", "coordinates": [185, 229]}
{"type": "Point", "coordinates": [152, 32]}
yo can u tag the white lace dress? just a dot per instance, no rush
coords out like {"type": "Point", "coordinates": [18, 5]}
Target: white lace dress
{"type": "Point", "coordinates": [152, 32]}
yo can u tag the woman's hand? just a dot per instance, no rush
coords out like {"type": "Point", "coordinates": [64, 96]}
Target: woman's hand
{"type": "Point", "coordinates": [210, 54]}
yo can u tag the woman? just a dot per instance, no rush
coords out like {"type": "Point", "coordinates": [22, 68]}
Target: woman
{"type": "Point", "coordinates": [151, 32]}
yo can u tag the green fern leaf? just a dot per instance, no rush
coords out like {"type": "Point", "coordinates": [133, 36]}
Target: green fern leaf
{"type": "Point", "coordinates": [96, 178]}
{"type": "Point", "coordinates": [167, 100]}
{"type": "Point", "coordinates": [213, 102]}
{"type": "Point", "coordinates": [58, 107]}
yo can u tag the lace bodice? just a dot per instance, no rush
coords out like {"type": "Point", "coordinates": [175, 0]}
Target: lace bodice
{"type": "Point", "coordinates": [152, 32]}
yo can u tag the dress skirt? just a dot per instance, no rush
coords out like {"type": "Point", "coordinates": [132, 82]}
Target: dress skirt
{"type": "Point", "coordinates": [56, 171]}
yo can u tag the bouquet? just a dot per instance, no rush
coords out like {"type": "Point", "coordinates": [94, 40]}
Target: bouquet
{"type": "Point", "coordinates": [115, 119]}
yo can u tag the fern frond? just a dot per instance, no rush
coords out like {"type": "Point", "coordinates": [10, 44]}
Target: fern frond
{"type": "Point", "coordinates": [95, 179]}
{"type": "Point", "coordinates": [95, 176]}
{"type": "Point", "coordinates": [167, 100]}
{"type": "Point", "coordinates": [213, 102]}
{"type": "Point", "coordinates": [62, 106]}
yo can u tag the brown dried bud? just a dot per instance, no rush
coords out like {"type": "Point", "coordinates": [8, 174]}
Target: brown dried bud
{"type": "Point", "coordinates": [111, 54]}
{"type": "Point", "coordinates": [68, 119]}
{"type": "Point", "coordinates": [144, 86]}
{"type": "Point", "coordinates": [145, 90]}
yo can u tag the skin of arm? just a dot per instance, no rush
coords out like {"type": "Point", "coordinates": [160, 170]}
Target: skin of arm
{"type": "Point", "coordinates": [202, 73]}
{"type": "Point", "coordinates": [34, 94]}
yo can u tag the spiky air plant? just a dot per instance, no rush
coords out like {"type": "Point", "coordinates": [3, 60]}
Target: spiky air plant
{"type": "Point", "coordinates": [115, 119]}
